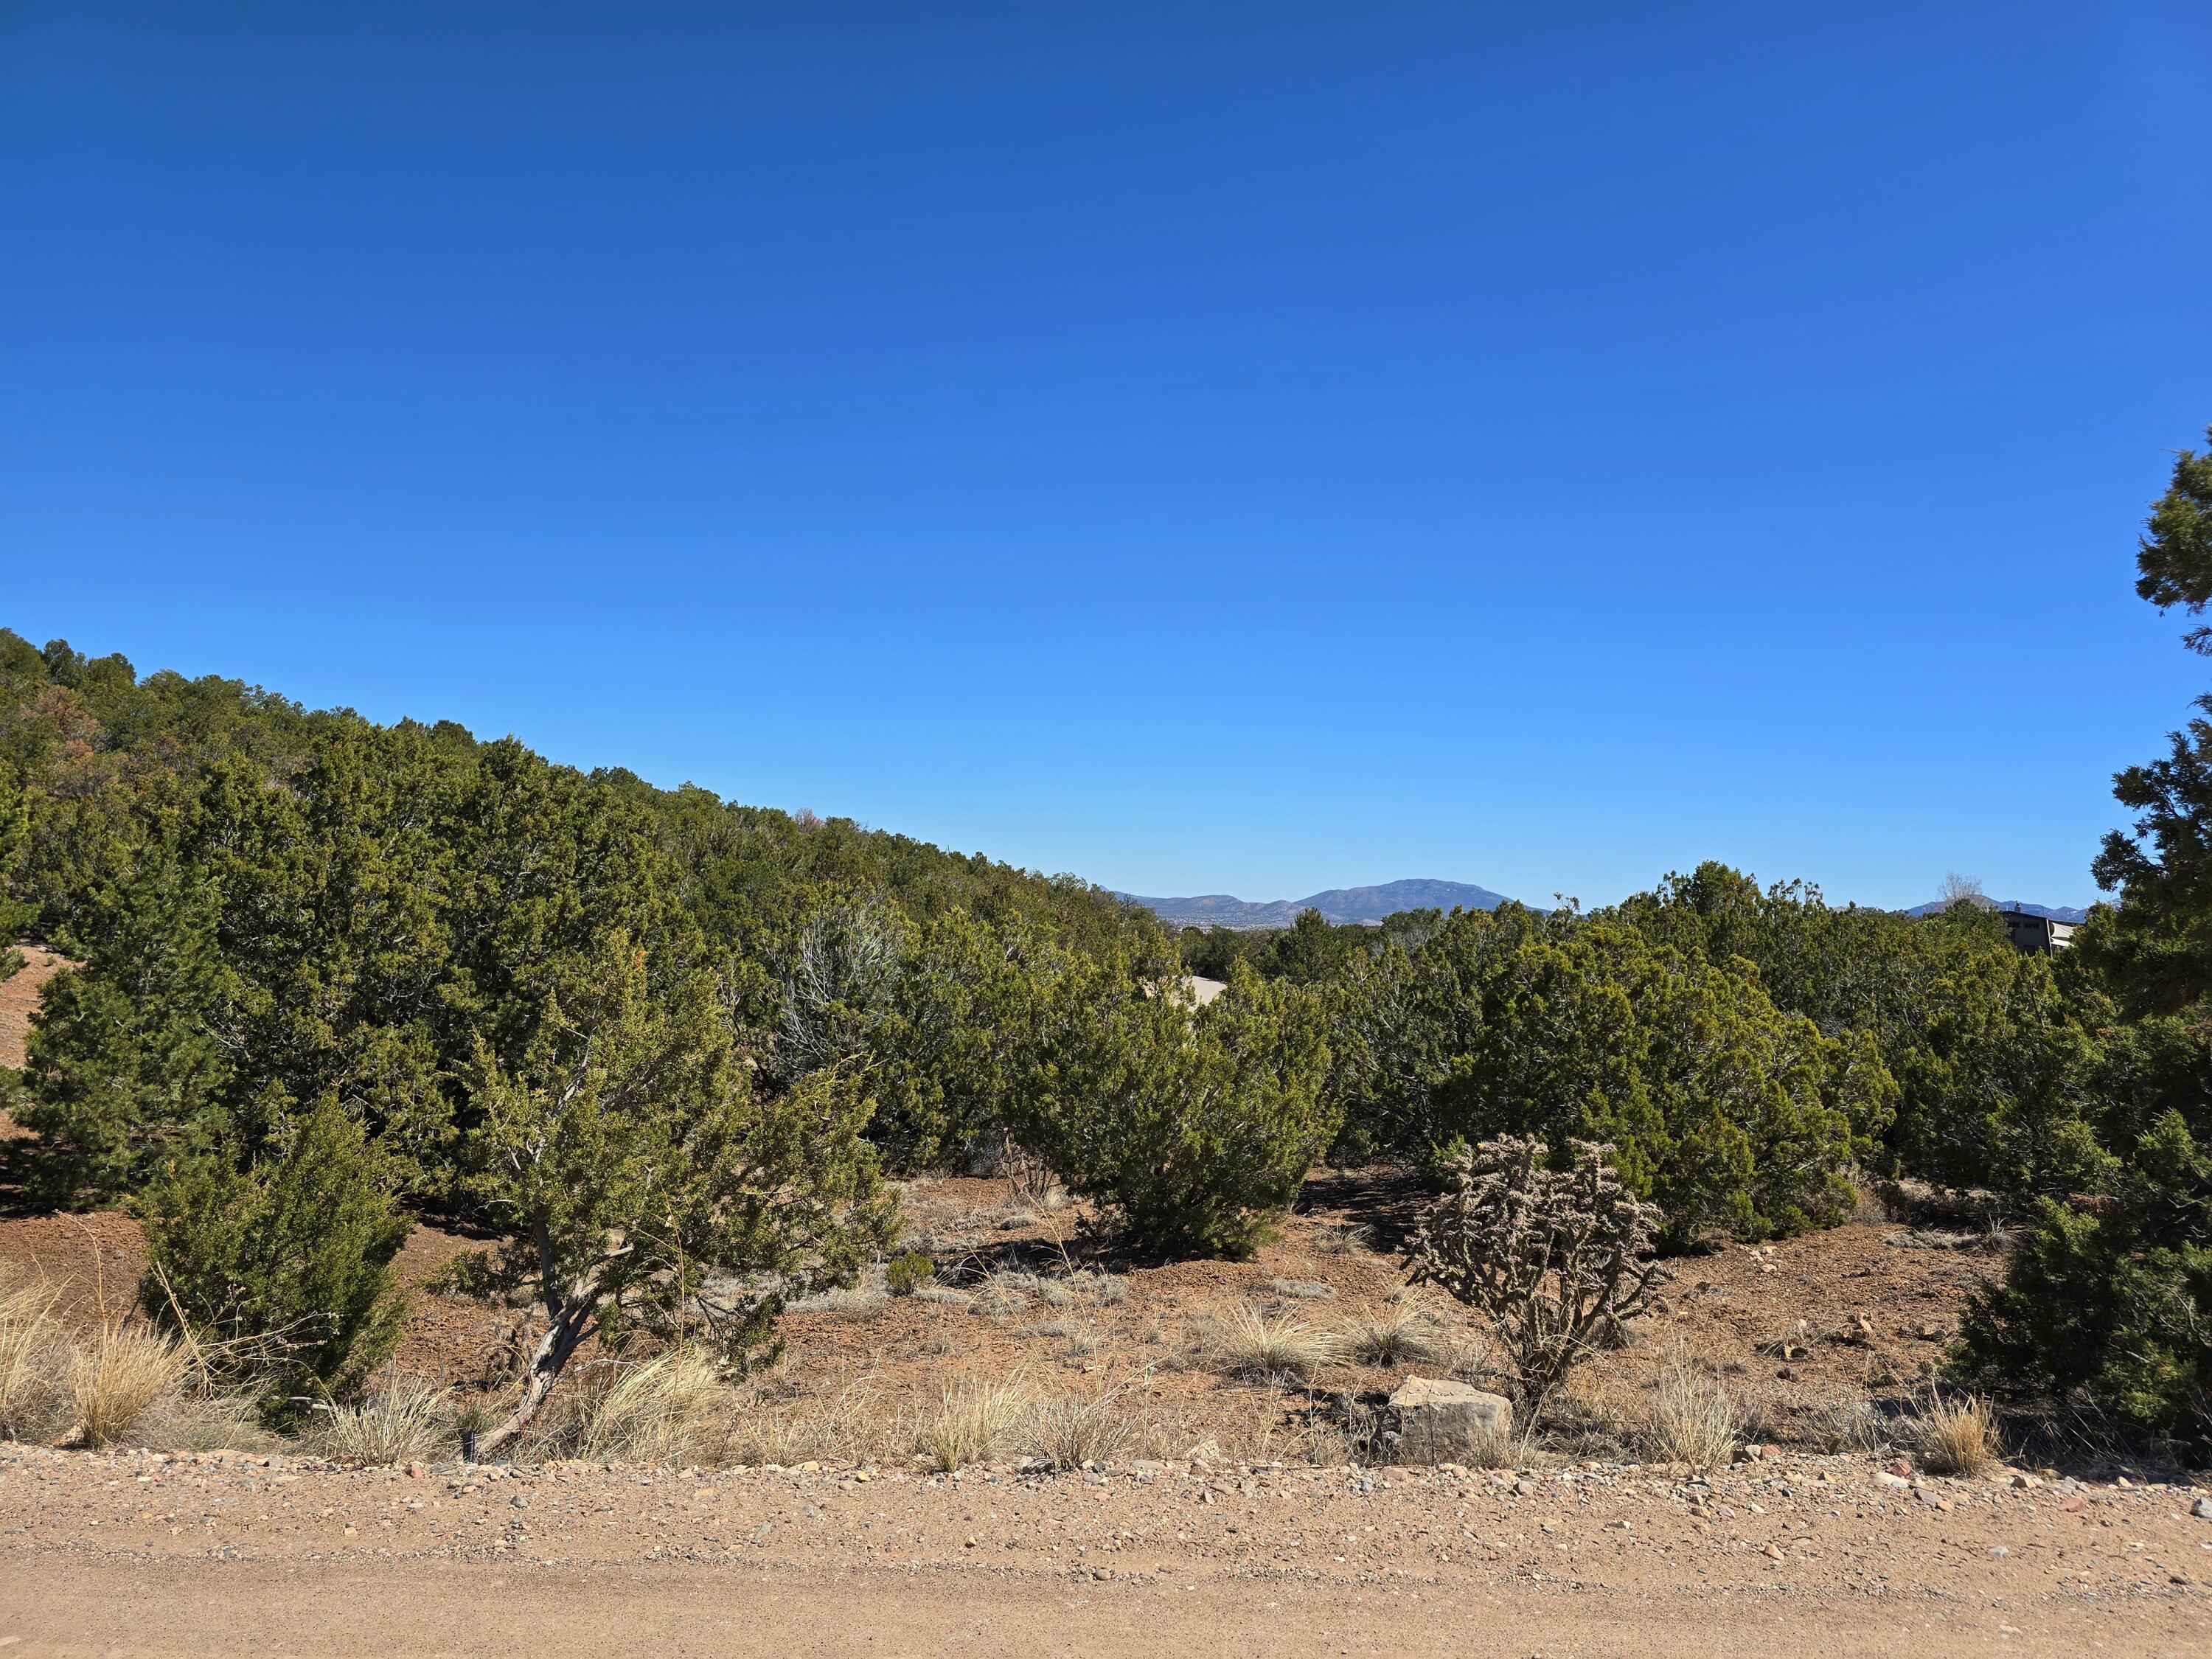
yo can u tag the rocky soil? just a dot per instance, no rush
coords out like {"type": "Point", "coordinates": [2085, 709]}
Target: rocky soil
{"type": "Point", "coordinates": [1847, 1556]}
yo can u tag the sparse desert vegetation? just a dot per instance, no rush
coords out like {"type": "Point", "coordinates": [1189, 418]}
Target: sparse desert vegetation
{"type": "Point", "coordinates": [782, 1147]}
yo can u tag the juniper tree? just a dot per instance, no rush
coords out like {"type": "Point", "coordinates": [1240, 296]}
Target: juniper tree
{"type": "Point", "coordinates": [1198, 1126]}
{"type": "Point", "coordinates": [645, 1185]}
{"type": "Point", "coordinates": [281, 1269]}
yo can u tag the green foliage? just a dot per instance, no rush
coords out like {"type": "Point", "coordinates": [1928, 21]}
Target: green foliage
{"type": "Point", "coordinates": [2108, 1303]}
{"type": "Point", "coordinates": [1724, 1111]}
{"type": "Point", "coordinates": [281, 1272]}
{"type": "Point", "coordinates": [1310, 952]}
{"type": "Point", "coordinates": [125, 1069]}
{"type": "Point", "coordinates": [629, 1160]}
{"type": "Point", "coordinates": [907, 1272]}
{"type": "Point", "coordinates": [1198, 1124]}
{"type": "Point", "coordinates": [1987, 1049]}
{"type": "Point", "coordinates": [957, 1036]}
{"type": "Point", "coordinates": [2174, 557]}
{"type": "Point", "coordinates": [2106, 1298]}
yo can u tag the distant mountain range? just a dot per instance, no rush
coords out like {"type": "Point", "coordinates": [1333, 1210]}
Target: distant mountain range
{"type": "Point", "coordinates": [2054, 912]}
{"type": "Point", "coordinates": [1364, 904]}
{"type": "Point", "coordinates": [1371, 904]}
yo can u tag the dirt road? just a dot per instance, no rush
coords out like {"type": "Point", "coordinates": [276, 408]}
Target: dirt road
{"type": "Point", "coordinates": [77, 1605]}
{"type": "Point", "coordinates": [131, 1554]}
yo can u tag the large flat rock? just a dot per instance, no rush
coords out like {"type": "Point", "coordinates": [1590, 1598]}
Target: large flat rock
{"type": "Point", "coordinates": [1441, 1421]}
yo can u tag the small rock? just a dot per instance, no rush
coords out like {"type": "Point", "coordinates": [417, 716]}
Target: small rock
{"type": "Point", "coordinates": [2202, 1508]}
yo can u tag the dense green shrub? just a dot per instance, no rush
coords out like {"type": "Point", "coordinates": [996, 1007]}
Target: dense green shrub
{"type": "Point", "coordinates": [1988, 1053]}
{"type": "Point", "coordinates": [125, 1069]}
{"type": "Point", "coordinates": [282, 1272]}
{"type": "Point", "coordinates": [1198, 1124]}
{"type": "Point", "coordinates": [2105, 1297]}
{"type": "Point", "coordinates": [1722, 1110]}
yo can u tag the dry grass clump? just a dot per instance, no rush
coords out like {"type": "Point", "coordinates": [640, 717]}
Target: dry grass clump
{"type": "Point", "coordinates": [188, 1422]}
{"type": "Point", "coordinates": [116, 1374]}
{"type": "Point", "coordinates": [1000, 1297]}
{"type": "Point", "coordinates": [1030, 1183]}
{"type": "Point", "coordinates": [1249, 1344]}
{"type": "Point", "coordinates": [1956, 1436]}
{"type": "Point", "coordinates": [847, 1301]}
{"type": "Point", "coordinates": [673, 1408]}
{"type": "Point", "coordinates": [1107, 1290]}
{"type": "Point", "coordinates": [33, 1364]}
{"type": "Point", "coordinates": [971, 1422]}
{"type": "Point", "coordinates": [1345, 1238]}
{"type": "Point", "coordinates": [1845, 1422]}
{"type": "Point", "coordinates": [846, 1428]}
{"type": "Point", "coordinates": [1069, 1431]}
{"type": "Point", "coordinates": [1397, 1335]}
{"type": "Point", "coordinates": [402, 1418]}
{"type": "Point", "coordinates": [118, 1384]}
{"type": "Point", "coordinates": [1500, 1449]}
{"type": "Point", "coordinates": [1695, 1419]}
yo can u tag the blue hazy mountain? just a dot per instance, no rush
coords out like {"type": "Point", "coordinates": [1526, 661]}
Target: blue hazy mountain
{"type": "Point", "coordinates": [1366, 904]}
{"type": "Point", "coordinates": [2055, 912]}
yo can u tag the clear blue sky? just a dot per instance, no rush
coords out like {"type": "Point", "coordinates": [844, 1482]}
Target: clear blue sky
{"type": "Point", "coordinates": [1206, 447]}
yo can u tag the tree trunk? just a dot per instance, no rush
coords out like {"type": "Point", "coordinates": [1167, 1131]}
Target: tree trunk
{"type": "Point", "coordinates": [560, 1341]}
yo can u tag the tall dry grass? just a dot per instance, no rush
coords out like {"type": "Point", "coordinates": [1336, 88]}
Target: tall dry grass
{"type": "Point", "coordinates": [673, 1408]}
{"type": "Point", "coordinates": [400, 1418]}
{"type": "Point", "coordinates": [847, 1427]}
{"type": "Point", "coordinates": [973, 1422]}
{"type": "Point", "coordinates": [117, 1374]}
{"type": "Point", "coordinates": [1695, 1419]}
{"type": "Point", "coordinates": [33, 1364]}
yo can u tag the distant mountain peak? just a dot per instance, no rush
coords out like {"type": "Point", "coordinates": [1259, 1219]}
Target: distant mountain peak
{"type": "Point", "coordinates": [1338, 904]}
{"type": "Point", "coordinates": [2049, 912]}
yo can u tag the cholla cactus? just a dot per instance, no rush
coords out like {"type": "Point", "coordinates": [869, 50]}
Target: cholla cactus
{"type": "Point", "coordinates": [1556, 1260]}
